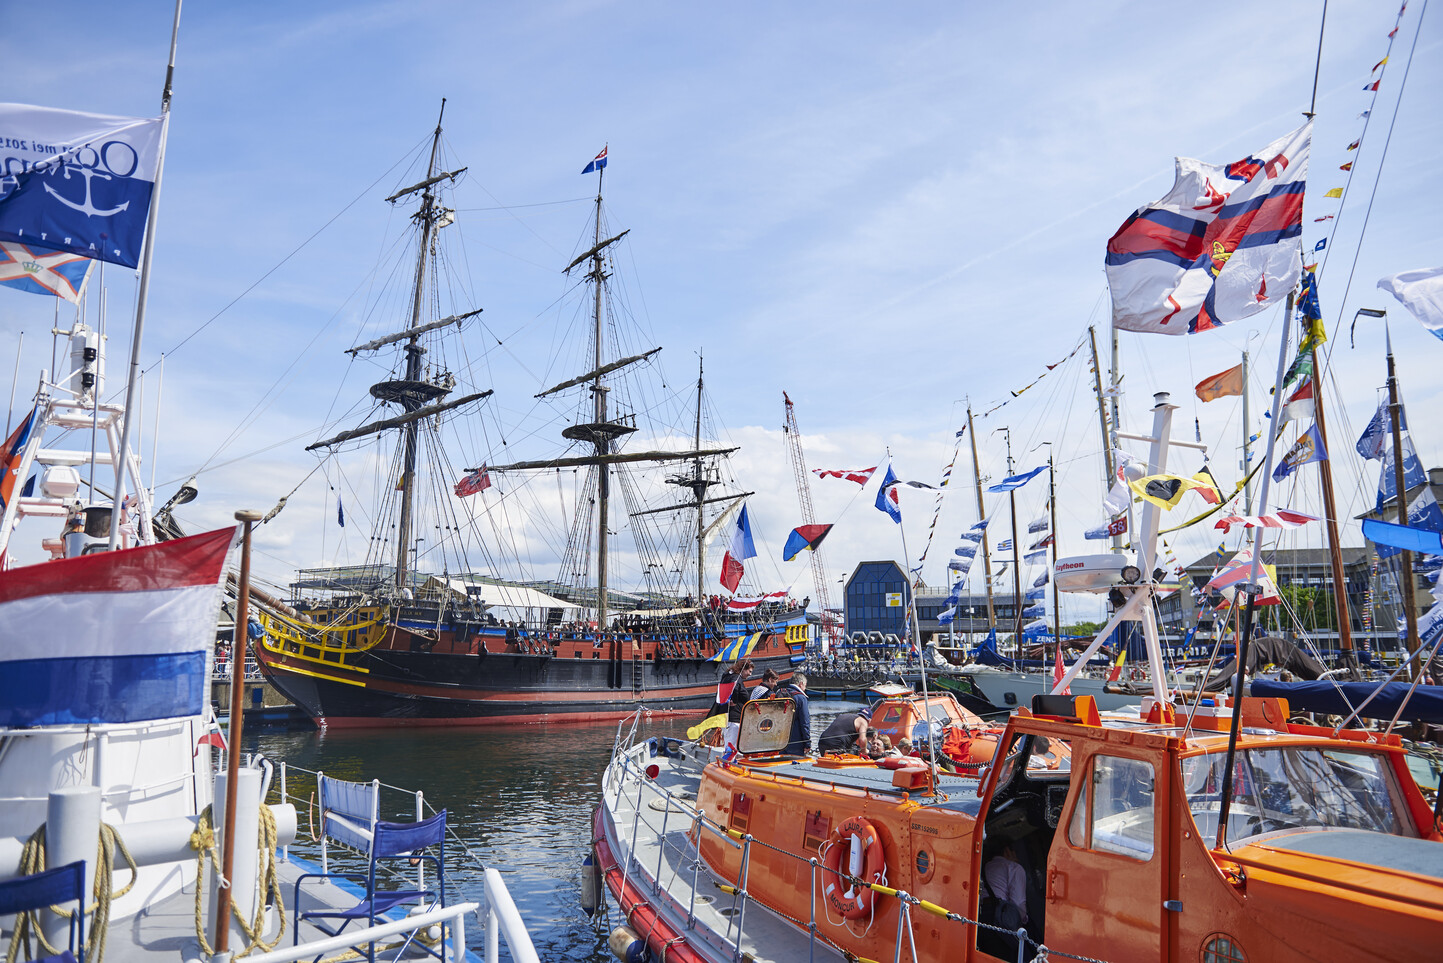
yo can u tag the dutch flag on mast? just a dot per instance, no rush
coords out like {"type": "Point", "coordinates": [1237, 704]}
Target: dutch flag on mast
{"type": "Point", "coordinates": [597, 162]}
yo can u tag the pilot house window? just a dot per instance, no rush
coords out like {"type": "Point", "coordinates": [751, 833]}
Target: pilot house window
{"type": "Point", "coordinates": [1116, 814]}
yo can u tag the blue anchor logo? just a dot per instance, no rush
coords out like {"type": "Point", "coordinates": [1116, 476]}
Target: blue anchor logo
{"type": "Point", "coordinates": [88, 170]}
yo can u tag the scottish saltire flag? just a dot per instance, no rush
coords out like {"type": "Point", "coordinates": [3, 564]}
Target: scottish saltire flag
{"type": "Point", "coordinates": [44, 272]}
{"type": "Point", "coordinates": [597, 162]}
{"type": "Point", "coordinates": [1014, 482]}
{"type": "Point", "coordinates": [887, 496]}
{"type": "Point", "coordinates": [1421, 292]}
{"type": "Point", "coordinates": [804, 538]}
{"type": "Point", "coordinates": [1222, 245]}
{"type": "Point", "coordinates": [113, 637]}
{"type": "Point", "coordinates": [75, 182]}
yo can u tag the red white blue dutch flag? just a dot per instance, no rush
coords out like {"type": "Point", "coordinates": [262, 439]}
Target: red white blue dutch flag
{"type": "Point", "coordinates": [114, 637]}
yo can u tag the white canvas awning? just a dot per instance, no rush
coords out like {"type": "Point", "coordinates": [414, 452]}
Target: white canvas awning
{"type": "Point", "coordinates": [501, 596]}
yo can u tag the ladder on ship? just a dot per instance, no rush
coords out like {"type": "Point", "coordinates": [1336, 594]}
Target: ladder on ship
{"type": "Point", "coordinates": [638, 672]}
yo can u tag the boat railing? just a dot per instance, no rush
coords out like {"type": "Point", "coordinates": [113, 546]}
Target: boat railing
{"type": "Point", "coordinates": [357, 940]}
{"type": "Point", "coordinates": [628, 766]}
{"type": "Point", "coordinates": [501, 914]}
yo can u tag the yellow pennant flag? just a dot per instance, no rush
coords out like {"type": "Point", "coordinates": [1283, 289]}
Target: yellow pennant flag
{"type": "Point", "coordinates": [1165, 491]}
{"type": "Point", "coordinates": [1335, 192]}
{"type": "Point", "coordinates": [706, 725]}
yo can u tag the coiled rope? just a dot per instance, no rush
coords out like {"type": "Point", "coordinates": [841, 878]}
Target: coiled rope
{"type": "Point", "coordinates": [32, 861]}
{"type": "Point", "coordinates": [202, 840]}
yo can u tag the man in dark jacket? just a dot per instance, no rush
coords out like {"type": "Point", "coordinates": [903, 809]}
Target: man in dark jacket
{"type": "Point", "coordinates": [801, 737]}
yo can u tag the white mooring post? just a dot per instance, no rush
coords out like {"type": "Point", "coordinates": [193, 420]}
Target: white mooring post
{"type": "Point", "coordinates": [72, 829]}
{"type": "Point", "coordinates": [245, 870]}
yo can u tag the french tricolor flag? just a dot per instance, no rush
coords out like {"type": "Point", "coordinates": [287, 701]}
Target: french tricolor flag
{"type": "Point", "coordinates": [113, 637]}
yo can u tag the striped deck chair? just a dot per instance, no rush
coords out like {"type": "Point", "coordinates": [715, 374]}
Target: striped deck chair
{"type": "Point", "coordinates": [350, 818]}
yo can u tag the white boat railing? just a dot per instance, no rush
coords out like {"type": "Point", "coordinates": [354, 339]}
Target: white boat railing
{"type": "Point", "coordinates": [625, 765]}
{"type": "Point", "coordinates": [455, 915]}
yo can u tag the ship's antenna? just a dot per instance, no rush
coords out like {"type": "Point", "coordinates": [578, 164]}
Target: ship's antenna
{"type": "Point", "coordinates": [1318, 61]}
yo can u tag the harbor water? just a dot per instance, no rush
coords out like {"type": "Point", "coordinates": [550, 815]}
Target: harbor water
{"type": "Point", "coordinates": [519, 797]}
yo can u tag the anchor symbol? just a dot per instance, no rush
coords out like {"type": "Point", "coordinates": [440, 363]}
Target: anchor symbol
{"type": "Point", "coordinates": [85, 207]}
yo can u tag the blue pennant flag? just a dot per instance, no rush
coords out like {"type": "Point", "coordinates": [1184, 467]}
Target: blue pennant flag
{"type": "Point", "coordinates": [887, 497]}
{"type": "Point", "coordinates": [974, 534]}
{"type": "Point", "coordinates": [1013, 482]}
{"type": "Point", "coordinates": [965, 551]}
{"type": "Point", "coordinates": [1374, 441]}
{"type": "Point", "coordinates": [1034, 595]}
{"type": "Point", "coordinates": [1308, 449]}
{"type": "Point", "coordinates": [1425, 521]}
{"type": "Point", "coordinates": [340, 511]}
{"type": "Point", "coordinates": [1413, 474]}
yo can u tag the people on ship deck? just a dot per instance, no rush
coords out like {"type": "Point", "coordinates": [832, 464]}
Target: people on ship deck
{"type": "Point", "coordinates": [800, 743]}
{"type": "Point", "coordinates": [844, 731]}
{"type": "Point", "coordinates": [770, 682]}
{"type": "Point", "coordinates": [731, 698]}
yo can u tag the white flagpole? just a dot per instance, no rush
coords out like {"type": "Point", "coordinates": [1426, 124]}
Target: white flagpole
{"type": "Point", "coordinates": [130, 387]}
{"type": "Point", "coordinates": [916, 637]}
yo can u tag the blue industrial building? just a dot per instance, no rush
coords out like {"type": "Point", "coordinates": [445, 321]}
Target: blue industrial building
{"type": "Point", "coordinates": [877, 597]}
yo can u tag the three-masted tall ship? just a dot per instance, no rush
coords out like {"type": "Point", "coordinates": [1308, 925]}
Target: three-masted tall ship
{"type": "Point", "coordinates": [387, 642]}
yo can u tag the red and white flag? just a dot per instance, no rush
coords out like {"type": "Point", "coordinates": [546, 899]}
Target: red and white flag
{"type": "Point", "coordinates": [740, 604]}
{"type": "Point", "coordinates": [478, 481]}
{"type": "Point", "coordinates": [1282, 518]}
{"type": "Point", "coordinates": [113, 637]}
{"type": "Point", "coordinates": [1058, 671]}
{"type": "Point", "coordinates": [859, 475]}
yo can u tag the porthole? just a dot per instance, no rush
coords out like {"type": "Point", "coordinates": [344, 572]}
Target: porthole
{"type": "Point", "coordinates": [923, 863]}
{"type": "Point", "coordinates": [1221, 948]}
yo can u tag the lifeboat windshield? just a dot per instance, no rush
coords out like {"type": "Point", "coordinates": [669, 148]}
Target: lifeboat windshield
{"type": "Point", "coordinates": [1295, 787]}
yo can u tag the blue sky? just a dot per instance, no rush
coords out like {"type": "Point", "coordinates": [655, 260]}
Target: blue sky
{"type": "Point", "coordinates": [881, 209]}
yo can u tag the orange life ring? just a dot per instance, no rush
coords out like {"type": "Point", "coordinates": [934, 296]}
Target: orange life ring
{"type": "Point", "coordinates": [869, 865]}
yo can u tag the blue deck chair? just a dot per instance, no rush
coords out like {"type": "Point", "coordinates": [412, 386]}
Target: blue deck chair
{"type": "Point", "coordinates": [53, 887]}
{"type": "Point", "coordinates": [348, 817]}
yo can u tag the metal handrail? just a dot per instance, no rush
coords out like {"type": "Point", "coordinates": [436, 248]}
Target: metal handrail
{"type": "Point", "coordinates": [455, 914]}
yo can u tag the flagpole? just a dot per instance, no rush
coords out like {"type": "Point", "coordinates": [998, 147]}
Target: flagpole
{"type": "Point", "coordinates": [1330, 516]}
{"type": "Point", "coordinates": [917, 639]}
{"type": "Point", "coordinates": [981, 517]}
{"type": "Point", "coordinates": [146, 257]}
{"type": "Point", "coordinates": [1405, 557]}
{"type": "Point", "coordinates": [1016, 560]}
{"type": "Point", "coordinates": [1056, 608]}
{"type": "Point", "coordinates": [1247, 445]}
{"type": "Point", "coordinates": [1252, 588]}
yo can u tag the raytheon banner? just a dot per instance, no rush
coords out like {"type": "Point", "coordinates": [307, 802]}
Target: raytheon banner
{"type": "Point", "coordinates": [77, 182]}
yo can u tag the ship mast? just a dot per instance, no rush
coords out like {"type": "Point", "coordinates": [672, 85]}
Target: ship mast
{"type": "Point", "coordinates": [982, 517]}
{"type": "Point", "coordinates": [601, 440]}
{"type": "Point", "coordinates": [411, 400]}
{"type": "Point", "coordinates": [1405, 557]}
{"type": "Point", "coordinates": [698, 489]}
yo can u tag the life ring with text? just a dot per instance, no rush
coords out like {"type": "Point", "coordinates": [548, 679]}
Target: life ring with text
{"type": "Point", "coordinates": [856, 849]}
{"type": "Point", "coordinates": [902, 762]}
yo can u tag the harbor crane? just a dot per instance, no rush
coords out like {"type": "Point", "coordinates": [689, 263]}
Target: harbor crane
{"type": "Point", "coordinates": [798, 461]}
